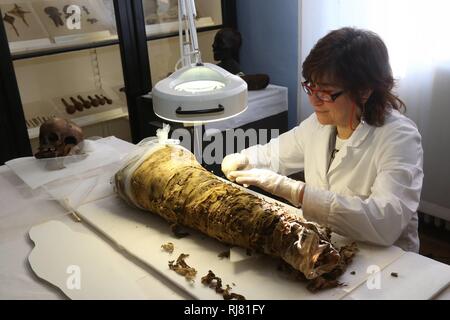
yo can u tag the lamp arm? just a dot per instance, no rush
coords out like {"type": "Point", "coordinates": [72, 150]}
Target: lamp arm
{"type": "Point", "coordinates": [188, 47]}
{"type": "Point", "coordinates": [192, 14]}
{"type": "Point", "coordinates": [181, 13]}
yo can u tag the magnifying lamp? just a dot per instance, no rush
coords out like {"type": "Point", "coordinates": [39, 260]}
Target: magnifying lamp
{"type": "Point", "coordinates": [198, 92]}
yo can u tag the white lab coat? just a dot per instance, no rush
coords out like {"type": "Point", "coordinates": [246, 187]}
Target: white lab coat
{"type": "Point", "coordinates": [372, 189]}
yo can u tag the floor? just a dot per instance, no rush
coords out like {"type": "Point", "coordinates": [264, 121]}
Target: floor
{"type": "Point", "coordinates": [434, 241]}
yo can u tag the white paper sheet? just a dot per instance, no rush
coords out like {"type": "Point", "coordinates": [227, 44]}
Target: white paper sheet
{"type": "Point", "coordinates": [37, 172]}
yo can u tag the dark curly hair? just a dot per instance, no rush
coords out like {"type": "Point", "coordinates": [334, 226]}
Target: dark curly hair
{"type": "Point", "coordinates": [356, 60]}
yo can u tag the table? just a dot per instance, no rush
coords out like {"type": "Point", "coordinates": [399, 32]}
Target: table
{"type": "Point", "coordinates": [21, 208]}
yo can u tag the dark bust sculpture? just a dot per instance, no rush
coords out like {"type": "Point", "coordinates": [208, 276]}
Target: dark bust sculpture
{"type": "Point", "coordinates": [227, 43]}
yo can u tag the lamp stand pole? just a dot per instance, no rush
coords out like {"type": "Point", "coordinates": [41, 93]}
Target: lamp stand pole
{"type": "Point", "coordinates": [199, 131]}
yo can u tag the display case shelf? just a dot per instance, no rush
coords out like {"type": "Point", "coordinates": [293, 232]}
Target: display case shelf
{"type": "Point", "coordinates": [52, 49]}
{"type": "Point", "coordinates": [88, 120]}
{"type": "Point", "coordinates": [58, 48]}
{"type": "Point", "coordinates": [110, 104]}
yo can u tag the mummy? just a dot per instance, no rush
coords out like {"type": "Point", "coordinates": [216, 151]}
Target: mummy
{"type": "Point", "coordinates": [168, 181]}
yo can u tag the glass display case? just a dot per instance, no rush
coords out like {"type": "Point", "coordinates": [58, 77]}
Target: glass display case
{"type": "Point", "coordinates": [42, 26]}
{"type": "Point", "coordinates": [70, 59]}
{"type": "Point", "coordinates": [161, 16]}
{"type": "Point", "coordinates": [36, 25]}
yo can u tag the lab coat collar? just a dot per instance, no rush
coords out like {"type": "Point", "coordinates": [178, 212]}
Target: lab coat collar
{"type": "Point", "coordinates": [359, 135]}
{"type": "Point", "coordinates": [357, 138]}
{"type": "Point", "coordinates": [323, 152]}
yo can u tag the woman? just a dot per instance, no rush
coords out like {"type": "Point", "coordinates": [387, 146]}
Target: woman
{"type": "Point", "coordinates": [361, 157]}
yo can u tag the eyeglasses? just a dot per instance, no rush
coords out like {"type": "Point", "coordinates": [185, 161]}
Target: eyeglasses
{"type": "Point", "coordinates": [322, 95]}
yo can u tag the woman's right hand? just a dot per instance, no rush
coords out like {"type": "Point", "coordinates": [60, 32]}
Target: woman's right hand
{"type": "Point", "coordinates": [234, 162]}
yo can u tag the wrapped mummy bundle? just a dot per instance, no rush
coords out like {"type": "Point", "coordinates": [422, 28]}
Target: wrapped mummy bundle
{"type": "Point", "coordinates": [168, 181]}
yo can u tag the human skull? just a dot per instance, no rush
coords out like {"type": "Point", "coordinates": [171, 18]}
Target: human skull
{"type": "Point", "coordinates": [58, 138]}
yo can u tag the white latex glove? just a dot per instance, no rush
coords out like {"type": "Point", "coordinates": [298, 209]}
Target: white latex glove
{"type": "Point", "coordinates": [234, 162]}
{"type": "Point", "coordinates": [272, 182]}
